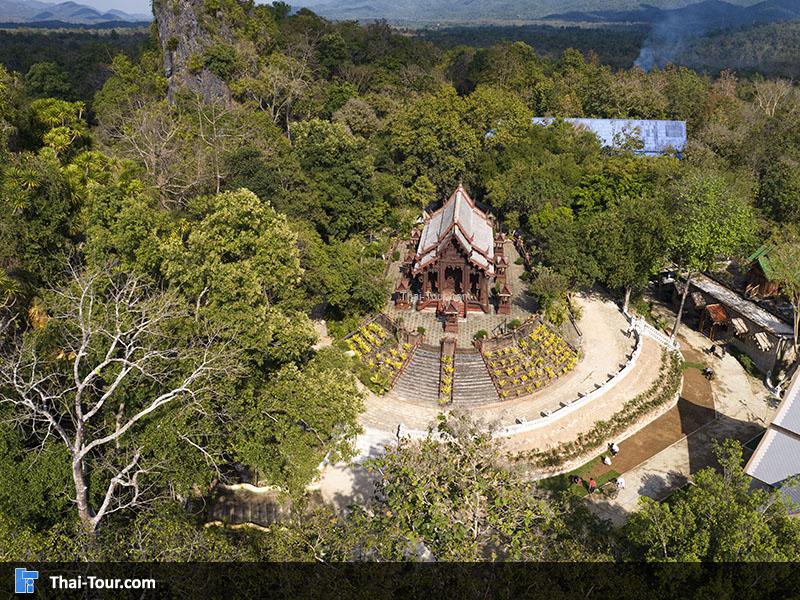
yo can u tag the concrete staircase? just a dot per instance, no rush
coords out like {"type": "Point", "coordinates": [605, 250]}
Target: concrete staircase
{"type": "Point", "coordinates": [472, 384]}
{"type": "Point", "coordinates": [419, 383]}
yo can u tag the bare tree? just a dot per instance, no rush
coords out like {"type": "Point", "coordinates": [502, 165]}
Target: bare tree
{"type": "Point", "coordinates": [154, 136]}
{"type": "Point", "coordinates": [114, 367]}
{"type": "Point", "coordinates": [280, 83]}
{"type": "Point", "coordinates": [770, 95]}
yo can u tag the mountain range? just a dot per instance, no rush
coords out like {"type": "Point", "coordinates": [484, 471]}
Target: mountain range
{"type": "Point", "coordinates": [722, 13]}
{"type": "Point", "coordinates": [35, 11]}
{"type": "Point", "coordinates": [704, 15]}
{"type": "Point", "coordinates": [448, 11]}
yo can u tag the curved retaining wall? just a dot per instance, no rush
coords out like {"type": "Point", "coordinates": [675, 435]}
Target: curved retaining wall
{"type": "Point", "coordinates": [579, 403]}
{"type": "Point", "coordinates": [640, 328]}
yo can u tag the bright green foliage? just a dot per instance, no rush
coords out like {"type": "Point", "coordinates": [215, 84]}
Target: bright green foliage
{"type": "Point", "coordinates": [422, 192]}
{"type": "Point", "coordinates": [498, 117]}
{"type": "Point", "coordinates": [779, 191]}
{"type": "Point", "coordinates": [36, 216]}
{"type": "Point", "coordinates": [712, 218]}
{"type": "Point", "coordinates": [47, 80]}
{"type": "Point", "coordinates": [430, 137]}
{"type": "Point", "coordinates": [784, 260]}
{"type": "Point", "coordinates": [628, 241]}
{"type": "Point", "coordinates": [718, 519]}
{"type": "Point", "coordinates": [60, 122]}
{"type": "Point", "coordinates": [300, 417]}
{"type": "Point", "coordinates": [124, 223]}
{"type": "Point", "coordinates": [237, 259]}
{"type": "Point", "coordinates": [33, 481]}
{"type": "Point", "coordinates": [550, 290]}
{"type": "Point", "coordinates": [345, 276]}
{"type": "Point", "coordinates": [340, 178]}
{"type": "Point", "coordinates": [452, 496]}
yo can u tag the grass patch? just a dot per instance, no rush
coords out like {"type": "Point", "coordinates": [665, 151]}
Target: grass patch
{"type": "Point", "coordinates": [687, 364]}
{"type": "Point", "coordinates": [563, 483]}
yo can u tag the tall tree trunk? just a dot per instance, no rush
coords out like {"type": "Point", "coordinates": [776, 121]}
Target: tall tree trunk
{"type": "Point", "coordinates": [82, 494]}
{"type": "Point", "coordinates": [627, 300]}
{"type": "Point", "coordinates": [680, 309]}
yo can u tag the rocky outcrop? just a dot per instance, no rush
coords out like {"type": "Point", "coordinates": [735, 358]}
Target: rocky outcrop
{"type": "Point", "coordinates": [186, 43]}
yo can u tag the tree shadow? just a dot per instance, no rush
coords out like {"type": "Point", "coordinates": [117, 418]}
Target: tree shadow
{"type": "Point", "coordinates": [361, 492]}
{"type": "Point", "coordinates": [658, 486]}
{"type": "Point", "coordinates": [703, 426]}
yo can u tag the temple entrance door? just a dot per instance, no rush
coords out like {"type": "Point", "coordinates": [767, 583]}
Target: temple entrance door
{"type": "Point", "coordinates": [433, 282]}
{"type": "Point", "coordinates": [453, 281]}
{"type": "Point", "coordinates": [474, 284]}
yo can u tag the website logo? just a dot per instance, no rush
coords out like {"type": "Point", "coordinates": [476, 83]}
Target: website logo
{"type": "Point", "coordinates": [24, 580]}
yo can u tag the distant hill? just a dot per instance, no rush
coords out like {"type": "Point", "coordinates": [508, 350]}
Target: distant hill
{"type": "Point", "coordinates": [771, 49]}
{"type": "Point", "coordinates": [34, 11]}
{"type": "Point", "coordinates": [700, 15]}
{"type": "Point", "coordinates": [500, 11]}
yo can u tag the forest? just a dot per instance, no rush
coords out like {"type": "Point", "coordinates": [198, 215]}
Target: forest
{"type": "Point", "coordinates": [167, 242]}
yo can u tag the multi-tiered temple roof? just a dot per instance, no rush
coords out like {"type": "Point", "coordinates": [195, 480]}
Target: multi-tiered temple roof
{"type": "Point", "coordinates": [460, 219]}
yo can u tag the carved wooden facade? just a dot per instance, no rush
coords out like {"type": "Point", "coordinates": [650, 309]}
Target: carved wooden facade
{"type": "Point", "coordinates": [457, 260]}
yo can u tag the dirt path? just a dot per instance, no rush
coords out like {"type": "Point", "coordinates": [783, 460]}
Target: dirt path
{"type": "Point", "coordinates": [739, 410]}
{"type": "Point", "coordinates": [695, 408]}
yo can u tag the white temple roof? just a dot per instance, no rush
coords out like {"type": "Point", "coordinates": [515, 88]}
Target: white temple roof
{"type": "Point", "coordinates": [458, 218]}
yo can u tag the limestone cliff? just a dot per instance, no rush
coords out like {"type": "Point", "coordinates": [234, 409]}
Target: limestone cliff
{"type": "Point", "coordinates": [186, 41]}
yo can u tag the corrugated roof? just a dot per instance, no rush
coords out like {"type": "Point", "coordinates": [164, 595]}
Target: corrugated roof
{"type": "Point", "coordinates": [658, 137]}
{"type": "Point", "coordinates": [717, 313]}
{"type": "Point", "coordinates": [755, 313]}
{"type": "Point", "coordinates": [777, 457]}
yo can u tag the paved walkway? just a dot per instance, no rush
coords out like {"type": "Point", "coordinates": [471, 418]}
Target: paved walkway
{"type": "Point", "coordinates": [605, 347]}
{"type": "Point", "coordinates": [742, 411]}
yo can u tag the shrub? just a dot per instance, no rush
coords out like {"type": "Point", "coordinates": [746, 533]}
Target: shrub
{"type": "Point", "coordinates": [421, 330]}
{"type": "Point", "coordinates": [220, 59]}
{"type": "Point", "coordinates": [396, 255]}
{"type": "Point", "coordinates": [482, 334]}
{"type": "Point", "coordinates": [514, 323]}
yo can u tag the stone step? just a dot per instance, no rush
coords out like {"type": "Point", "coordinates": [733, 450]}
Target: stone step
{"type": "Point", "coordinates": [419, 382]}
{"type": "Point", "coordinates": [472, 384]}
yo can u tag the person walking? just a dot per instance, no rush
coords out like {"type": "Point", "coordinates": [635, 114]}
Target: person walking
{"type": "Point", "coordinates": [613, 448]}
{"type": "Point", "coordinates": [592, 485]}
{"type": "Point", "coordinates": [620, 483]}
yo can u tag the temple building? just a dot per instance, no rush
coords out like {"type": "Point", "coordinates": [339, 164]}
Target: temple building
{"type": "Point", "coordinates": [457, 261]}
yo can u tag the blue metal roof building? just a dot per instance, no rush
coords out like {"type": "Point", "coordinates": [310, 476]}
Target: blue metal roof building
{"type": "Point", "coordinates": [657, 137]}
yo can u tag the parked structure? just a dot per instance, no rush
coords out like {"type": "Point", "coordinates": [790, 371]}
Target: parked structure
{"type": "Point", "coordinates": [760, 279]}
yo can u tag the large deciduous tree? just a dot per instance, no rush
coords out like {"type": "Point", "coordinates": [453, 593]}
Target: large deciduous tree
{"type": "Point", "coordinates": [237, 260]}
{"type": "Point", "coordinates": [450, 493]}
{"type": "Point", "coordinates": [430, 137]}
{"type": "Point", "coordinates": [111, 357]}
{"type": "Point", "coordinates": [718, 519]}
{"type": "Point", "coordinates": [712, 219]}
{"type": "Point", "coordinates": [628, 240]}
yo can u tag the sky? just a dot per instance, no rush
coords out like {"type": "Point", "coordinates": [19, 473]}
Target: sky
{"type": "Point", "coordinates": [128, 6]}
